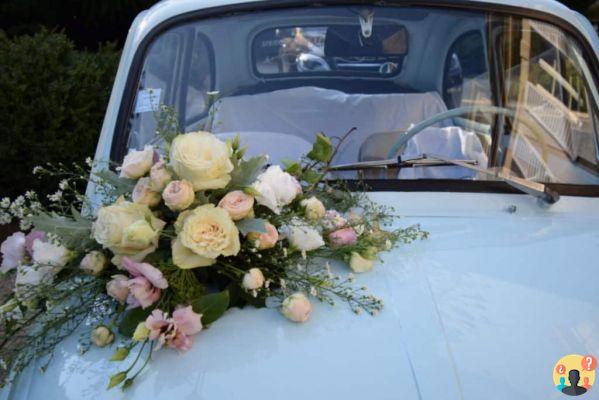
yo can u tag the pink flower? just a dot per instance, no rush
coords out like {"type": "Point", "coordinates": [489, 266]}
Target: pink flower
{"type": "Point", "coordinates": [178, 195]}
{"type": "Point", "coordinates": [266, 240]}
{"type": "Point", "coordinates": [332, 219]}
{"type": "Point", "coordinates": [32, 237]}
{"type": "Point", "coordinates": [118, 288]}
{"type": "Point", "coordinates": [146, 270]}
{"type": "Point", "coordinates": [144, 287]}
{"type": "Point", "coordinates": [13, 251]}
{"type": "Point", "coordinates": [142, 293]}
{"type": "Point", "coordinates": [238, 204]}
{"type": "Point", "coordinates": [343, 237]}
{"type": "Point", "coordinates": [187, 321]}
{"type": "Point", "coordinates": [176, 332]}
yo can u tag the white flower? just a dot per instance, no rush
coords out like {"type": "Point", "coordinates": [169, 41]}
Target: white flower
{"type": "Point", "coordinates": [13, 251]}
{"type": "Point", "coordinates": [296, 308]}
{"type": "Point", "coordinates": [137, 163]}
{"type": "Point", "coordinates": [277, 188]}
{"type": "Point", "coordinates": [89, 161]}
{"type": "Point", "coordinates": [94, 262]}
{"type": "Point", "coordinates": [46, 253]}
{"type": "Point", "coordinates": [253, 279]}
{"type": "Point", "coordinates": [302, 236]}
{"type": "Point", "coordinates": [63, 184]}
{"type": "Point", "coordinates": [314, 208]}
{"type": "Point", "coordinates": [5, 203]}
{"type": "Point", "coordinates": [143, 193]}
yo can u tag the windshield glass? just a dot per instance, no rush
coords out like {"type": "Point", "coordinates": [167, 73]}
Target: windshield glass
{"type": "Point", "coordinates": [502, 91]}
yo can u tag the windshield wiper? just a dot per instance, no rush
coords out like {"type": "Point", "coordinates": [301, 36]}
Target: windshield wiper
{"type": "Point", "coordinates": [536, 189]}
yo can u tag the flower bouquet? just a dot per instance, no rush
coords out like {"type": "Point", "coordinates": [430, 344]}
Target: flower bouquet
{"type": "Point", "coordinates": [164, 246]}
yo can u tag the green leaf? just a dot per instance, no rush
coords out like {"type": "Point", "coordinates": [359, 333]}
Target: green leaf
{"type": "Point", "coordinates": [116, 379]}
{"type": "Point", "coordinates": [121, 186]}
{"type": "Point", "coordinates": [292, 167]}
{"type": "Point", "coordinates": [131, 319]}
{"type": "Point", "coordinates": [211, 306]}
{"type": "Point", "coordinates": [322, 149]}
{"type": "Point", "coordinates": [74, 233]}
{"type": "Point", "coordinates": [248, 225]}
{"type": "Point", "coordinates": [246, 172]}
{"type": "Point", "coordinates": [120, 354]}
{"type": "Point", "coordinates": [311, 176]}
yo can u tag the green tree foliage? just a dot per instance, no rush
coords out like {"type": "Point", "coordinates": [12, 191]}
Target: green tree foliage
{"type": "Point", "coordinates": [52, 105]}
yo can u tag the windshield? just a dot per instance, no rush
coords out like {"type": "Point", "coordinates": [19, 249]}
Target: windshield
{"type": "Point", "coordinates": [504, 92]}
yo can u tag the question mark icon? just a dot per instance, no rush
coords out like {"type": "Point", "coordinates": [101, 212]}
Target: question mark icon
{"type": "Point", "coordinates": [589, 363]}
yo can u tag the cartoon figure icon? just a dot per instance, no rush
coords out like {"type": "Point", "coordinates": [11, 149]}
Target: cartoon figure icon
{"type": "Point", "coordinates": [562, 384]}
{"type": "Point", "coordinates": [586, 383]}
{"type": "Point", "coordinates": [574, 389]}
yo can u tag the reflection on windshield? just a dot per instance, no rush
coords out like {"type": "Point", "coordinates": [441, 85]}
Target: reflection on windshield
{"type": "Point", "coordinates": [279, 77]}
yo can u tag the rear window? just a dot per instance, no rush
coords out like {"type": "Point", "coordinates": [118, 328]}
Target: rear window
{"type": "Point", "coordinates": [340, 49]}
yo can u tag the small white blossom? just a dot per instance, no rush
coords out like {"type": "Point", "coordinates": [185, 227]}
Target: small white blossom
{"type": "Point", "coordinates": [283, 283]}
{"type": "Point", "coordinates": [63, 184]}
{"type": "Point", "coordinates": [5, 203]}
{"type": "Point", "coordinates": [89, 161]}
{"type": "Point", "coordinates": [30, 194]}
{"type": "Point", "coordinates": [56, 196]}
{"type": "Point", "coordinates": [37, 169]}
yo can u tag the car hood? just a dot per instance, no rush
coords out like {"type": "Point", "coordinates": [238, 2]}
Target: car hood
{"type": "Point", "coordinates": [484, 308]}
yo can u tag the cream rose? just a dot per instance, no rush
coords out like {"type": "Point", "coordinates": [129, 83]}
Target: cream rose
{"type": "Point", "coordinates": [277, 188]}
{"type": "Point", "coordinates": [118, 288]}
{"type": "Point", "coordinates": [296, 308]}
{"type": "Point", "coordinates": [202, 159]}
{"type": "Point", "coordinates": [137, 163]}
{"type": "Point", "coordinates": [238, 204]}
{"type": "Point", "coordinates": [127, 229]}
{"type": "Point", "coordinates": [144, 194]}
{"type": "Point", "coordinates": [253, 279]}
{"type": "Point", "coordinates": [207, 232]}
{"type": "Point", "coordinates": [101, 336]}
{"type": "Point", "coordinates": [178, 195]}
{"type": "Point", "coordinates": [314, 209]}
{"type": "Point", "coordinates": [266, 240]}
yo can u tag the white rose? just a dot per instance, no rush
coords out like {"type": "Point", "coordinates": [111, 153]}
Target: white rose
{"type": "Point", "coordinates": [253, 279]}
{"type": "Point", "coordinates": [201, 159]}
{"type": "Point", "coordinates": [144, 194]}
{"type": "Point", "coordinates": [296, 308]}
{"type": "Point", "coordinates": [302, 236]}
{"type": "Point", "coordinates": [94, 262]}
{"type": "Point", "coordinates": [359, 263]}
{"type": "Point", "coordinates": [137, 163]}
{"type": "Point", "coordinates": [46, 253]}
{"type": "Point", "coordinates": [178, 195]}
{"type": "Point", "coordinates": [13, 251]}
{"type": "Point", "coordinates": [314, 208]}
{"type": "Point", "coordinates": [277, 188]}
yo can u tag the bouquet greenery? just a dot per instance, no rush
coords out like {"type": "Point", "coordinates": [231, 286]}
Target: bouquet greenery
{"type": "Point", "coordinates": [165, 246]}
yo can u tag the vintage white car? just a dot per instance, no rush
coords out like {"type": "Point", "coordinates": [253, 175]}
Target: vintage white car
{"type": "Point", "coordinates": [477, 119]}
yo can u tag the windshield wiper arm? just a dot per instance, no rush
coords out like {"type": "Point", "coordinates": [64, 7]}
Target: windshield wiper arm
{"type": "Point", "coordinates": [535, 189]}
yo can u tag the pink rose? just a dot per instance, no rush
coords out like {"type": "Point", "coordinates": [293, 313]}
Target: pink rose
{"type": "Point", "coordinates": [238, 204]}
{"type": "Point", "coordinates": [159, 176]}
{"type": "Point", "coordinates": [118, 288]}
{"type": "Point", "coordinates": [178, 195]}
{"type": "Point", "coordinates": [266, 240]}
{"type": "Point", "coordinates": [343, 237]}
{"type": "Point", "coordinates": [296, 308]}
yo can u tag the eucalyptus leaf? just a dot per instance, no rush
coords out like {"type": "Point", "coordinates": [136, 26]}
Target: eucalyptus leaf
{"type": "Point", "coordinates": [74, 233]}
{"type": "Point", "coordinates": [246, 172]}
{"type": "Point", "coordinates": [211, 306]}
{"type": "Point", "coordinates": [248, 225]}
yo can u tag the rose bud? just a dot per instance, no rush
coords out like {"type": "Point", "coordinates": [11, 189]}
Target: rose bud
{"type": "Point", "coordinates": [266, 240]}
{"type": "Point", "coordinates": [101, 336]}
{"type": "Point", "coordinates": [238, 204]}
{"type": "Point", "coordinates": [118, 288]}
{"type": "Point", "coordinates": [253, 279]}
{"type": "Point", "coordinates": [359, 263]}
{"type": "Point", "coordinates": [141, 332]}
{"type": "Point", "coordinates": [159, 176]}
{"type": "Point", "coordinates": [296, 308]}
{"type": "Point", "coordinates": [178, 195]}
{"type": "Point", "coordinates": [314, 208]}
{"type": "Point", "coordinates": [94, 262]}
{"type": "Point", "coordinates": [137, 163]}
{"type": "Point", "coordinates": [343, 237]}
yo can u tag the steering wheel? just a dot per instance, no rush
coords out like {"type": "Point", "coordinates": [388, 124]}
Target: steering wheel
{"type": "Point", "coordinates": [456, 112]}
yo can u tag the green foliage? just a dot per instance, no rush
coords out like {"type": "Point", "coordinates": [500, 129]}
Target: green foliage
{"type": "Point", "coordinates": [52, 105]}
{"type": "Point", "coordinates": [246, 173]}
{"type": "Point", "coordinates": [120, 186]}
{"type": "Point", "coordinates": [211, 306]}
{"type": "Point", "coordinates": [116, 379]}
{"type": "Point", "coordinates": [131, 319]}
{"type": "Point", "coordinates": [74, 233]}
{"type": "Point", "coordinates": [120, 354]}
{"type": "Point", "coordinates": [322, 149]}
